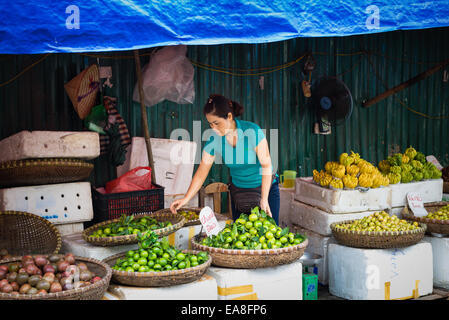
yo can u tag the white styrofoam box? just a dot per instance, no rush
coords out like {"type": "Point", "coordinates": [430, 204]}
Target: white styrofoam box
{"type": "Point", "coordinates": [440, 250]}
{"type": "Point", "coordinates": [59, 203]}
{"type": "Point", "coordinates": [50, 144]}
{"type": "Point", "coordinates": [286, 198]}
{"type": "Point", "coordinates": [380, 274]}
{"type": "Point", "coordinates": [318, 244]}
{"type": "Point", "coordinates": [204, 288]}
{"type": "Point", "coordinates": [278, 283]}
{"type": "Point", "coordinates": [317, 220]}
{"type": "Point", "coordinates": [173, 160]}
{"type": "Point", "coordinates": [181, 239]}
{"type": "Point", "coordinates": [74, 243]}
{"type": "Point", "coordinates": [70, 228]}
{"type": "Point", "coordinates": [341, 201]}
{"type": "Point", "coordinates": [429, 190]}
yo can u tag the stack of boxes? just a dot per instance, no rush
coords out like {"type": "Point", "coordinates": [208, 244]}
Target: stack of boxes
{"type": "Point", "coordinates": [67, 205]}
{"type": "Point", "coordinates": [354, 273]}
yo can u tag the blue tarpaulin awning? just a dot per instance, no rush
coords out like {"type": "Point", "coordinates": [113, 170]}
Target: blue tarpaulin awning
{"type": "Point", "coordinates": [111, 25]}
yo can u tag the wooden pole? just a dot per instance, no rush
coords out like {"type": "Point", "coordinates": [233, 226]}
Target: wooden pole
{"type": "Point", "coordinates": [405, 84]}
{"type": "Point", "coordinates": [143, 112]}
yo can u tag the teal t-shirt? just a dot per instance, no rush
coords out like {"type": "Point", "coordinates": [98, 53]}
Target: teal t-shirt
{"type": "Point", "coordinates": [242, 161]}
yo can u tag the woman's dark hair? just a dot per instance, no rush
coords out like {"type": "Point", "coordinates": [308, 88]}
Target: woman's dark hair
{"type": "Point", "coordinates": [220, 106]}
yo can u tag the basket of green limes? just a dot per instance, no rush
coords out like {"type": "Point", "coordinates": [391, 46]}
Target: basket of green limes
{"type": "Point", "coordinates": [157, 264]}
{"type": "Point", "coordinates": [191, 214]}
{"type": "Point", "coordinates": [252, 241]}
{"type": "Point", "coordinates": [378, 231]}
{"type": "Point", "coordinates": [437, 219]}
{"type": "Point", "coordinates": [125, 229]}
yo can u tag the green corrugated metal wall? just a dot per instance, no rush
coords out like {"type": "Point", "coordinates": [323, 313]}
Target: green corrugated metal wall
{"type": "Point", "coordinates": [37, 101]}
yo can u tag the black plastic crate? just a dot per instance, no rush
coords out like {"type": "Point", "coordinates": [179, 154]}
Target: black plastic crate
{"type": "Point", "coordinates": [114, 205]}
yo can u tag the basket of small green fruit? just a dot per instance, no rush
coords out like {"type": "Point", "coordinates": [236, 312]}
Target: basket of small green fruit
{"type": "Point", "coordinates": [191, 214]}
{"type": "Point", "coordinates": [252, 241]}
{"type": "Point", "coordinates": [378, 231]}
{"type": "Point", "coordinates": [125, 229]}
{"type": "Point", "coordinates": [157, 264]}
{"type": "Point", "coordinates": [437, 219]}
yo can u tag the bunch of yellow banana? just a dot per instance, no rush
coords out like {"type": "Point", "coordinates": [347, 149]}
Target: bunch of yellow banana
{"type": "Point", "coordinates": [339, 171]}
{"type": "Point", "coordinates": [349, 172]}
{"type": "Point", "coordinates": [350, 181]}
{"type": "Point", "coordinates": [366, 167]}
{"type": "Point", "coordinates": [352, 170]}
{"type": "Point", "coordinates": [336, 183]}
{"type": "Point", "coordinates": [330, 165]}
{"type": "Point", "coordinates": [366, 180]}
{"type": "Point", "coordinates": [322, 177]}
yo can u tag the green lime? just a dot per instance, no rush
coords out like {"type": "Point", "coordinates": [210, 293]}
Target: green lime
{"type": "Point", "coordinates": [180, 256]}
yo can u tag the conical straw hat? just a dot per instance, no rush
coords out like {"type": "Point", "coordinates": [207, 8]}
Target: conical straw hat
{"type": "Point", "coordinates": [82, 90]}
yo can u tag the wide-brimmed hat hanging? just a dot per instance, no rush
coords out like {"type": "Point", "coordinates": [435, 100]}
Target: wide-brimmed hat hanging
{"type": "Point", "coordinates": [83, 89]}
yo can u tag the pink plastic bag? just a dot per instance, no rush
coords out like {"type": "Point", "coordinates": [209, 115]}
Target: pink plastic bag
{"type": "Point", "coordinates": [134, 180]}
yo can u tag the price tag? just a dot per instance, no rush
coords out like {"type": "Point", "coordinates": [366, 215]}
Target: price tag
{"type": "Point", "coordinates": [416, 205]}
{"type": "Point", "coordinates": [434, 160]}
{"type": "Point", "coordinates": [209, 222]}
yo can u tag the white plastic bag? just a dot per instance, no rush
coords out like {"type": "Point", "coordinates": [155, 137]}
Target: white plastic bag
{"type": "Point", "coordinates": [168, 75]}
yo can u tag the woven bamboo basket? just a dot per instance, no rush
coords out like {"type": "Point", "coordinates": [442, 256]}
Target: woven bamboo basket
{"type": "Point", "coordinates": [177, 221]}
{"type": "Point", "coordinates": [157, 278]}
{"type": "Point", "coordinates": [433, 225]}
{"type": "Point", "coordinates": [19, 173]}
{"type": "Point", "coordinates": [377, 240]}
{"type": "Point", "coordinates": [250, 259]}
{"type": "Point", "coordinates": [188, 222]}
{"type": "Point", "coordinates": [94, 291]}
{"type": "Point", "coordinates": [23, 233]}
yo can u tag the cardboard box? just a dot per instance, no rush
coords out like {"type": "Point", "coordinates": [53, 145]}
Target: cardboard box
{"type": "Point", "coordinates": [59, 203]}
{"type": "Point", "coordinates": [204, 288]}
{"type": "Point", "coordinates": [380, 274]}
{"type": "Point", "coordinates": [278, 283]}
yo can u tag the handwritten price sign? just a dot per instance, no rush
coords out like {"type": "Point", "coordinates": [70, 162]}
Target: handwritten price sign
{"type": "Point", "coordinates": [416, 205]}
{"type": "Point", "coordinates": [209, 222]}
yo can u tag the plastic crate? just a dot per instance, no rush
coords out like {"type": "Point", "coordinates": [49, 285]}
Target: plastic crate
{"type": "Point", "coordinates": [309, 286]}
{"type": "Point", "coordinates": [114, 205]}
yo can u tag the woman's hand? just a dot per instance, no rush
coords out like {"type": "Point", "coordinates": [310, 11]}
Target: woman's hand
{"type": "Point", "coordinates": [265, 206]}
{"type": "Point", "coordinates": [177, 204]}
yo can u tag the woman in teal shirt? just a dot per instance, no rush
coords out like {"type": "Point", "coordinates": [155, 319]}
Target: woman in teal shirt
{"type": "Point", "coordinates": [244, 150]}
